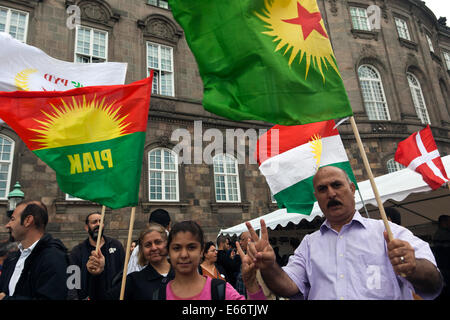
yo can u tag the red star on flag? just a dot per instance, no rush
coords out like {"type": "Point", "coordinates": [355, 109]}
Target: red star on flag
{"type": "Point", "coordinates": [308, 21]}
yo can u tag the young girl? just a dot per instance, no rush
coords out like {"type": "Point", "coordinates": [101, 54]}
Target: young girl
{"type": "Point", "coordinates": [186, 245]}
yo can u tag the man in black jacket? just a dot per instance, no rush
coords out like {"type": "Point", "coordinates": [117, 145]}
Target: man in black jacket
{"type": "Point", "coordinates": [228, 259]}
{"type": "Point", "coordinates": [38, 269]}
{"type": "Point", "coordinates": [111, 249]}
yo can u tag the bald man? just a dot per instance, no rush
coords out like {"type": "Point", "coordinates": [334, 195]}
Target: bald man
{"type": "Point", "coordinates": [349, 257]}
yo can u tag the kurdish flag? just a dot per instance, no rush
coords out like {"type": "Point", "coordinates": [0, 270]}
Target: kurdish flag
{"type": "Point", "coordinates": [289, 156]}
{"type": "Point", "coordinates": [268, 60]}
{"type": "Point", "coordinates": [93, 137]}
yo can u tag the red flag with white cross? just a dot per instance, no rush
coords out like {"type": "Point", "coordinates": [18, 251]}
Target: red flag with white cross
{"type": "Point", "coordinates": [419, 153]}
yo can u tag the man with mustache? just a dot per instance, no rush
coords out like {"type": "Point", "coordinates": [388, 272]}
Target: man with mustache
{"type": "Point", "coordinates": [81, 255]}
{"type": "Point", "coordinates": [350, 257]}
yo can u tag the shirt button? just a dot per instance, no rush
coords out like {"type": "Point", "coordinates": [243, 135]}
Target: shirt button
{"type": "Point", "coordinates": [341, 276]}
{"type": "Point", "coordinates": [342, 298]}
{"type": "Point", "coordinates": [341, 255]}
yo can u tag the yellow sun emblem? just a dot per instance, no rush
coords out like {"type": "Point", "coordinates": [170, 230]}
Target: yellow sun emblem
{"type": "Point", "coordinates": [80, 122]}
{"type": "Point", "coordinates": [21, 80]}
{"type": "Point", "coordinates": [316, 145]}
{"type": "Point", "coordinates": [298, 25]}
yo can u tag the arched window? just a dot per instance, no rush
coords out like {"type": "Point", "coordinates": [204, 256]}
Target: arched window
{"type": "Point", "coordinates": [373, 93]}
{"type": "Point", "coordinates": [393, 166]}
{"type": "Point", "coordinates": [226, 178]}
{"type": "Point", "coordinates": [163, 175]}
{"type": "Point", "coordinates": [417, 96]}
{"type": "Point", "coordinates": [6, 161]}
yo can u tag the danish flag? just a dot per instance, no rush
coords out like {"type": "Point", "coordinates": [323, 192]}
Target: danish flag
{"type": "Point", "coordinates": [419, 153]}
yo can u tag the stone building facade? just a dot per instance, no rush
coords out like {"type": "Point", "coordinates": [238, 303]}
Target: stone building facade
{"type": "Point", "coordinates": [392, 59]}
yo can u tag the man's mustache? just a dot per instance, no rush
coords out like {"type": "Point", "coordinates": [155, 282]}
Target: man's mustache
{"type": "Point", "coordinates": [333, 203]}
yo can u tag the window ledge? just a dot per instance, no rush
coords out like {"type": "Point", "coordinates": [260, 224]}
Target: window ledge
{"type": "Point", "coordinates": [147, 206]}
{"type": "Point", "coordinates": [365, 34]}
{"type": "Point", "coordinates": [61, 205]}
{"type": "Point", "coordinates": [215, 206]}
{"type": "Point", "coordinates": [408, 43]}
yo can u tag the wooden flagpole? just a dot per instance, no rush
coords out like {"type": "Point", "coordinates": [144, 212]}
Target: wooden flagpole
{"type": "Point", "coordinates": [127, 253]}
{"type": "Point", "coordinates": [100, 230]}
{"type": "Point", "coordinates": [372, 181]}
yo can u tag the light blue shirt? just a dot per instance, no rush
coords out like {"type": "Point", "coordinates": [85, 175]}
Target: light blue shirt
{"type": "Point", "coordinates": [353, 264]}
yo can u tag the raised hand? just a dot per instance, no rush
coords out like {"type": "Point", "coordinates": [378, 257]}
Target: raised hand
{"type": "Point", "coordinates": [259, 249]}
{"type": "Point", "coordinates": [248, 270]}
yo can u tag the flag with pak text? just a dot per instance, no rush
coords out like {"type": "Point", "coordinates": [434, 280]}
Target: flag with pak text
{"type": "Point", "coordinates": [268, 60]}
{"type": "Point", "coordinates": [289, 157]}
{"type": "Point", "coordinates": [93, 137]}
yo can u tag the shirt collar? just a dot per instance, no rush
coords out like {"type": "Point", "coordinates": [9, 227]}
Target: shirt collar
{"type": "Point", "coordinates": [357, 218]}
{"type": "Point", "coordinates": [29, 249]}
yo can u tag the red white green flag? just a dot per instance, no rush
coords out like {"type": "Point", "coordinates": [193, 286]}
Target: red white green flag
{"type": "Point", "coordinates": [289, 156]}
{"type": "Point", "coordinates": [93, 137]}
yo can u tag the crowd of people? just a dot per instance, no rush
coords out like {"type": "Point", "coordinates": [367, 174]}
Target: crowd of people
{"type": "Point", "coordinates": [349, 257]}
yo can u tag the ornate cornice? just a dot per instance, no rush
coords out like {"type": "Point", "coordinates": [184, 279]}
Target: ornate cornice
{"type": "Point", "coordinates": [96, 11]}
{"type": "Point", "coordinates": [160, 27]}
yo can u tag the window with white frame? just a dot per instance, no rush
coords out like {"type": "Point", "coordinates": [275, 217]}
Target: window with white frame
{"type": "Point", "coordinates": [160, 59]}
{"type": "Point", "coordinates": [393, 166]}
{"type": "Point", "coordinates": [91, 45]}
{"type": "Point", "coordinates": [226, 178]}
{"type": "Point", "coordinates": [163, 175]}
{"type": "Point", "coordinates": [417, 96]}
{"type": "Point", "coordinates": [447, 59]}
{"type": "Point", "coordinates": [402, 28]}
{"type": "Point", "coordinates": [360, 19]}
{"type": "Point", "coordinates": [6, 162]}
{"type": "Point", "coordinates": [14, 22]}
{"type": "Point", "coordinates": [430, 43]}
{"type": "Point", "coordinates": [159, 3]}
{"type": "Point", "coordinates": [373, 93]}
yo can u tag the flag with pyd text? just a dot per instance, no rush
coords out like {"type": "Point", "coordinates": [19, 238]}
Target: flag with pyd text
{"type": "Point", "coordinates": [289, 157]}
{"type": "Point", "coordinates": [27, 68]}
{"type": "Point", "coordinates": [419, 153]}
{"type": "Point", "coordinates": [93, 137]}
{"type": "Point", "coordinates": [268, 60]}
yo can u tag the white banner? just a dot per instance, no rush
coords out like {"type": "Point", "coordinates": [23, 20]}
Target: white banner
{"type": "Point", "coordinates": [23, 67]}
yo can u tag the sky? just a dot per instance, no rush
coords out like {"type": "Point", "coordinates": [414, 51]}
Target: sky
{"type": "Point", "coordinates": [440, 8]}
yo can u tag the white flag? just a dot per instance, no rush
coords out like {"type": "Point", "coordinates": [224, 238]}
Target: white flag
{"type": "Point", "coordinates": [24, 67]}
